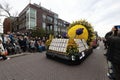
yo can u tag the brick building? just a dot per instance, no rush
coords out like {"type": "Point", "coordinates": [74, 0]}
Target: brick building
{"type": "Point", "coordinates": [6, 25]}
{"type": "Point", "coordinates": [34, 16]}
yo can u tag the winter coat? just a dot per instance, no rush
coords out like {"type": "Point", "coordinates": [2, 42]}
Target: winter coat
{"type": "Point", "coordinates": [113, 53]}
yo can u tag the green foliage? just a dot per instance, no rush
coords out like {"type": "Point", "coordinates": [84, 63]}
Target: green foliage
{"type": "Point", "coordinates": [72, 48]}
{"type": "Point", "coordinates": [38, 33]}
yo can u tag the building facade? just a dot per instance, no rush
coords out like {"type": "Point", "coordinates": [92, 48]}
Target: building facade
{"type": "Point", "coordinates": [6, 25]}
{"type": "Point", "coordinates": [35, 16]}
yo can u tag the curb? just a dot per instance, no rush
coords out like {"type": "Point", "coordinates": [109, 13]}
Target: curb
{"type": "Point", "coordinates": [21, 54]}
{"type": "Point", "coordinates": [17, 55]}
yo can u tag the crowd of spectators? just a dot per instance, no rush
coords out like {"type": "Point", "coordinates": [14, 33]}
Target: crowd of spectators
{"type": "Point", "coordinates": [20, 42]}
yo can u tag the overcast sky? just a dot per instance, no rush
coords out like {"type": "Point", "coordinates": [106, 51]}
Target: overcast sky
{"type": "Point", "coordinates": [102, 14]}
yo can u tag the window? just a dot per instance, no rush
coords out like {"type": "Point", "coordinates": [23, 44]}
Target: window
{"type": "Point", "coordinates": [27, 19]}
{"type": "Point", "coordinates": [32, 23]}
{"type": "Point", "coordinates": [30, 18]}
{"type": "Point", "coordinates": [44, 17]}
{"type": "Point", "coordinates": [50, 19]}
{"type": "Point", "coordinates": [55, 21]}
{"type": "Point", "coordinates": [55, 28]}
{"type": "Point", "coordinates": [32, 13]}
{"type": "Point", "coordinates": [51, 27]}
{"type": "Point", "coordinates": [44, 25]}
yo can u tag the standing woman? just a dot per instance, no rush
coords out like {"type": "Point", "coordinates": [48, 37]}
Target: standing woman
{"type": "Point", "coordinates": [2, 51]}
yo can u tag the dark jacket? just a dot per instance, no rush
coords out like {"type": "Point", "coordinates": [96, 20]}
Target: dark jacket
{"type": "Point", "coordinates": [108, 35]}
{"type": "Point", "coordinates": [113, 53]}
{"type": "Point", "coordinates": [22, 43]}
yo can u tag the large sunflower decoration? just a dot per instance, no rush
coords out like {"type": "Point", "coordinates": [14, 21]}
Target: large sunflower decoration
{"type": "Point", "coordinates": [81, 30]}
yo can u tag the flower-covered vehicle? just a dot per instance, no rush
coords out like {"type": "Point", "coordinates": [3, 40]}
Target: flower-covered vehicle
{"type": "Point", "coordinates": [76, 47]}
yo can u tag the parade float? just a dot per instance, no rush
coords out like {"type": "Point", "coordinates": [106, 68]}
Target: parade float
{"type": "Point", "coordinates": [73, 46]}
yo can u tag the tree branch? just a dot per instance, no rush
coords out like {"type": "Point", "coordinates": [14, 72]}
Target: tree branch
{"type": "Point", "coordinates": [4, 15]}
{"type": "Point", "coordinates": [6, 8]}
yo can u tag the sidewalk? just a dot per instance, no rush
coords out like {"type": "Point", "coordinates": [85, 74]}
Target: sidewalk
{"type": "Point", "coordinates": [22, 54]}
{"type": "Point", "coordinates": [17, 55]}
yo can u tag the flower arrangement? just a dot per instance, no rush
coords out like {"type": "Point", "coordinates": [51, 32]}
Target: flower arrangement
{"type": "Point", "coordinates": [87, 34]}
{"type": "Point", "coordinates": [72, 48]}
{"type": "Point", "coordinates": [47, 43]}
{"type": "Point", "coordinates": [78, 28]}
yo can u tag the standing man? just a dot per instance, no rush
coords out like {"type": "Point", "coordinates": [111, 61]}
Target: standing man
{"type": "Point", "coordinates": [113, 53]}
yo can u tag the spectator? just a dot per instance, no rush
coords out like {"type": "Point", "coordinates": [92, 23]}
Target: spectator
{"type": "Point", "coordinates": [113, 32]}
{"type": "Point", "coordinates": [2, 51]}
{"type": "Point", "coordinates": [43, 46]}
{"type": "Point", "coordinates": [39, 45]}
{"type": "Point", "coordinates": [105, 43]}
{"type": "Point", "coordinates": [17, 48]}
{"type": "Point", "coordinates": [32, 46]}
{"type": "Point", "coordinates": [113, 53]}
{"type": "Point", "coordinates": [22, 43]}
{"type": "Point", "coordinates": [10, 47]}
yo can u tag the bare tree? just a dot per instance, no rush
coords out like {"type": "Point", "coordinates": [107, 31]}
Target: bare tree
{"type": "Point", "coordinates": [6, 8]}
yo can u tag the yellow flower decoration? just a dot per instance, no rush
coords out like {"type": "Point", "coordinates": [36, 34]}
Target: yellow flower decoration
{"type": "Point", "coordinates": [72, 48]}
{"type": "Point", "coordinates": [72, 32]}
{"type": "Point", "coordinates": [88, 31]}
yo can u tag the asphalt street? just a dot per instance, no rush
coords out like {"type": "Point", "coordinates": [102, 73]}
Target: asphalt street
{"type": "Point", "coordinates": [35, 66]}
